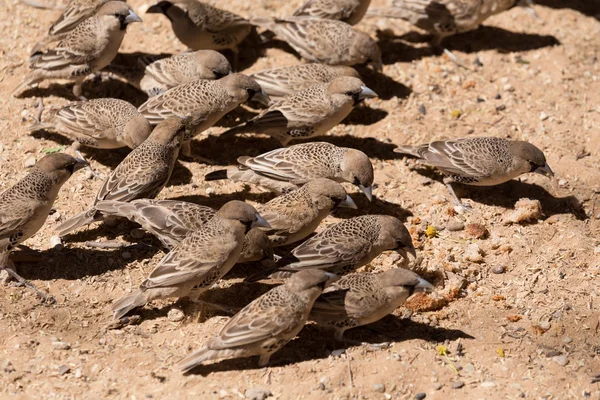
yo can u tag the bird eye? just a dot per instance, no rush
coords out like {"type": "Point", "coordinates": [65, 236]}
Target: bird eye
{"type": "Point", "coordinates": [251, 92]}
{"type": "Point", "coordinates": [533, 166]}
{"type": "Point", "coordinates": [356, 182]}
{"type": "Point", "coordinates": [400, 245]}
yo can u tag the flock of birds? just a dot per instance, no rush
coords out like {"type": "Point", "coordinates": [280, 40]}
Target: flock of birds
{"type": "Point", "coordinates": [188, 93]}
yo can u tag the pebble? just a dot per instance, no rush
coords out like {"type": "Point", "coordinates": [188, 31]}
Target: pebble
{"type": "Point", "coordinates": [420, 396]}
{"type": "Point", "coordinates": [473, 253]}
{"type": "Point", "coordinates": [561, 360]}
{"type": "Point", "coordinates": [338, 352]}
{"type": "Point", "coordinates": [137, 233]}
{"type": "Point", "coordinates": [488, 384]}
{"type": "Point", "coordinates": [63, 369]}
{"type": "Point", "coordinates": [543, 116]}
{"type": "Point", "coordinates": [455, 226]}
{"type": "Point", "coordinates": [379, 387]}
{"type": "Point", "coordinates": [457, 384]}
{"type": "Point", "coordinates": [498, 269]}
{"type": "Point", "coordinates": [29, 162]}
{"type": "Point", "coordinates": [126, 255]}
{"type": "Point", "coordinates": [477, 231]}
{"type": "Point", "coordinates": [257, 394]}
{"type": "Point", "coordinates": [56, 243]}
{"type": "Point", "coordinates": [567, 340]}
{"type": "Point", "coordinates": [438, 386]}
{"type": "Point", "coordinates": [61, 345]}
{"type": "Point", "coordinates": [175, 315]}
{"type": "Point", "coordinates": [89, 174]}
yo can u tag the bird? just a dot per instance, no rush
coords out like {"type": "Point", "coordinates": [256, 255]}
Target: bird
{"type": "Point", "coordinates": [199, 25]}
{"type": "Point", "coordinates": [204, 101]}
{"type": "Point", "coordinates": [88, 48]}
{"type": "Point", "coordinates": [308, 113]}
{"type": "Point", "coordinates": [479, 161]}
{"type": "Point", "coordinates": [203, 257]}
{"type": "Point", "coordinates": [281, 82]}
{"type": "Point", "coordinates": [25, 206]}
{"type": "Point", "coordinates": [344, 247]}
{"type": "Point", "coordinates": [100, 123]}
{"type": "Point", "coordinates": [266, 324]}
{"type": "Point", "coordinates": [348, 11]}
{"type": "Point", "coordinates": [285, 169]}
{"type": "Point", "coordinates": [362, 298]}
{"type": "Point", "coordinates": [142, 174]}
{"type": "Point", "coordinates": [295, 215]}
{"type": "Point", "coordinates": [171, 220]}
{"type": "Point", "coordinates": [325, 41]}
{"type": "Point", "coordinates": [443, 18]}
{"type": "Point", "coordinates": [166, 73]}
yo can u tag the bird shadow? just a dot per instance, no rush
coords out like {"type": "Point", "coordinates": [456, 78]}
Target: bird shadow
{"type": "Point", "coordinates": [587, 7]}
{"type": "Point", "coordinates": [507, 194]}
{"type": "Point", "coordinates": [216, 201]}
{"type": "Point", "coordinates": [235, 117]}
{"type": "Point", "coordinates": [365, 115]}
{"type": "Point", "coordinates": [77, 263]}
{"type": "Point", "coordinates": [225, 151]}
{"type": "Point", "coordinates": [372, 147]}
{"type": "Point", "coordinates": [385, 87]}
{"type": "Point", "coordinates": [315, 343]}
{"type": "Point", "coordinates": [377, 207]}
{"type": "Point", "coordinates": [484, 38]}
{"type": "Point", "coordinates": [250, 50]}
{"type": "Point", "coordinates": [181, 175]}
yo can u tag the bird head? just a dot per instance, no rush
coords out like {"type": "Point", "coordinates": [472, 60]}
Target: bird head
{"type": "Point", "coordinates": [120, 11]}
{"type": "Point", "coordinates": [243, 213]}
{"type": "Point", "coordinates": [351, 87]}
{"type": "Point", "coordinates": [357, 169]}
{"type": "Point", "coordinates": [326, 193]}
{"type": "Point", "coordinates": [531, 157]}
{"type": "Point", "coordinates": [60, 166]}
{"type": "Point", "coordinates": [393, 235]}
{"type": "Point", "coordinates": [244, 88]}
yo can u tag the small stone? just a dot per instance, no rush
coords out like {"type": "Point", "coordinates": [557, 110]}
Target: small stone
{"type": "Point", "coordinates": [89, 174]}
{"type": "Point", "coordinates": [63, 369]}
{"type": "Point", "coordinates": [61, 345]}
{"type": "Point", "coordinates": [175, 315]}
{"type": "Point", "coordinates": [126, 255]}
{"type": "Point", "coordinates": [457, 384]}
{"type": "Point", "coordinates": [543, 116]}
{"type": "Point", "coordinates": [477, 231]}
{"type": "Point", "coordinates": [562, 183]}
{"type": "Point", "coordinates": [209, 191]}
{"type": "Point", "coordinates": [420, 396]}
{"type": "Point", "coordinates": [379, 387]}
{"type": "Point", "coordinates": [488, 384]}
{"type": "Point", "coordinates": [473, 253]}
{"type": "Point", "coordinates": [338, 352]}
{"type": "Point", "coordinates": [29, 162]}
{"type": "Point", "coordinates": [455, 226]}
{"type": "Point", "coordinates": [498, 269]}
{"type": "Point", "coordinates": [56, 243]}
{"type": "Point", "coordinates": [561, 360]}
{"type": "Point", "coordinates": [257, 394]}
{"type": "Point", "coordinates": [78, 373]}
{"type": "Point", "coordinates": [438, 386]}
{"type": "Point", "coordinates": [567, 340]}
{"type": "Point", "coordinates": [422, 109]}
{"type": "Point", "coordinates": [137, 233]}
{"type": "Point", "coordinates": [545, 325]}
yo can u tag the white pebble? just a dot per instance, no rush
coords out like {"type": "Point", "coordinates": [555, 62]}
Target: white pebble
{"type": "Point", "coordinates": [61, 345]}
{"type": "Point", "coordinates": [29, 162]}
{"type": "Point", "coordinates": [473, 253]}
{"type": "Point", "coordinates": [55, 241]}
{"type": "Point", "coordinates": [543, 116]}
{"type": "Point", "coordinates": [561, 360]}
{"type": "Point", "coordinates": [175, 315]}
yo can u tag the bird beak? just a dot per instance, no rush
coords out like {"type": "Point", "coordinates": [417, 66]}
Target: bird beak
{"type": "Point", "coordinates": [368, 191]}
{"type": "Point", "coordinates": [528, 6]}
{"type": "Point", "coordinates": [155, 9]}
{"type": "Point", "coordinates": [545, 170]}
{"type": "Point", "coordinates": [423, 286]}
{"type": "Point", "coordinates": [332, 278]}
{"type": "Point", "coordinates": [376, 66]}
{"type": "Point", "coordinates": [348, 203]}
{"type": "Point", "coordinates": [80, 163]}
{"type": "Point", "coordinates": [366, 93]}
{"type": "Point", "coordinates": [261, 97]}
{"type": "Point", "coordinates": [132, 17]}
{"type": "Point", "coordinates": [260, 222]}
{"type": "Point", "coordinates": [405, 251]}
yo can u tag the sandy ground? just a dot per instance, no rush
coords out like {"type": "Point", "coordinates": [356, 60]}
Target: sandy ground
{"type": "Point", "coordinates": [517, 310]}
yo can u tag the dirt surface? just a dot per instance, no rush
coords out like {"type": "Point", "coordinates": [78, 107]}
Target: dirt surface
{"type": "Point", "coordinates": [517, 310]}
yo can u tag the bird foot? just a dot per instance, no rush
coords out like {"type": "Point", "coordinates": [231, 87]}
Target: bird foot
{"type": "Point", "coordinates": [46, 298]}
{"type": "Point", "coordinates": [124, 321]}
{"type": "Point", "coordinates": [39, 111]}
{"type": "Point", "coordinates": [462, 208]}
{"type": "Point", "coordinates": [455, 59]}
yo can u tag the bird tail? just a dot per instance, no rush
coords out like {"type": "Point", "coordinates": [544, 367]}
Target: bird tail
{"type": "Point", "coordinates": [190, 362]}
{"type": "Point", "coordinates": [263, 22]}
{"type": "Point", "coordinates": [128, 303]}
{"type": "Point", "coordinates": [236, 130]}
{"type": "Point", "coordinates": [81, 219]}
{"type": "Point", "coordinates": [41, 126]}
{"type": "Point", "coordinates": [216, 175]}
{"type": "Point", "coordinates": [390, 12]}
{"type": "Point", "coordinates": [415, 151]}
{"type": "Point", "coordinates": [31, 79]}
{"type": "Point", "coordinates": [118, 208]}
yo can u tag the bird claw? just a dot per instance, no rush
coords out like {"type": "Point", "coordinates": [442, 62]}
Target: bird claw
{"type": "Point", "coordinates": [462, 208]}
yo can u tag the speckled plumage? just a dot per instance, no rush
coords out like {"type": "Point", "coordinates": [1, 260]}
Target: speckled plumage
{"type": "Point", "coordinates": [75, 12]}
{"type": "Point", "coordinates": [179, 69]}
{"type": "Point", "coordinates": [362, 298]}
{"type": "Point", "coordinates": [295, 215]}
{"type": "Point", "coordinates": [348, 11]}
{"type": "Point", "coordinates": [345, 246]}
{"type": "Point", "coordinates": [142, 174]}
{"type": "Point", "coordinates": [284, 81]}
{"type": "Point", "coordinates": [25, 206]}
{"type": "Point", "coordinates": [480, 161]}
{"type": "Point", "coordinates": [171, 220]}
{"type": "Point", "coordinates": [101, 123]}
{"type": "Point", "coordinates": [89, 47]}
{"type": "Point", "coordinates": [325, 41]}
{"type": "Point", "coordinates": [265, 325]}
{"type": "Point", "coordinates": [204, 101]}
{"type": "Point", "coordinates": [285, 169]}
{"type": "Point", "coordinates": [203, 257]}
{"type": "Point", "coordinates": [199, 25]}
{"type": "Point", "coordinates": [444, 18]}
{"type": "Point", "coordinates": [308, 113]}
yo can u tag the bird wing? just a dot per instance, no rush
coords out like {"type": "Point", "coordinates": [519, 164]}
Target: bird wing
{"type": "Point", "coordinates": [75, 12]}
{"type": "Point", "coordinates": [177, 102]}
{"type": "Point", "coordinates": [212, 19]}
{"type": "Point", "coordinates": [327, 9]}
{"type": "Point", "coordinates": [258, 321]}
{"type": "Point", "coordinates": [78, 119]}
{"type": "Point", "coordinates": [13, 216]}
{"type": "Point", "coordinates": [449, 157]}
{"type": "Point", "coordinates": [303, 35]}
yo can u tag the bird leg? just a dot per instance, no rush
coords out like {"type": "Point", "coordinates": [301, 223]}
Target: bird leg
{"type": "Point", "coordinates": [218, 307]}
{"type": "Point", "coordinates": [39, 111]}
{"type": "Point", "coordinates": [8, 266]}
{"type": "Point", "coordinates": [116, 245]}
{"type": "Point", "coordinates": [186, 150]}
{"type": "Point", "coordinates": [462, 207]}
{"type": "Point", "coordinates": [77, 89]}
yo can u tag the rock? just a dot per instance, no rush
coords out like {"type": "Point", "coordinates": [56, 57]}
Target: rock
{"type": "Point", "coordinates": [438, 386]}
{"type": "Point", "coordinates": [526, 210]}
{"type": "Point", "coordinates": [473, 253]}
{"type": "Point", "coordinates": [257, 394]}
{"type": "Point", "coordinates": [29, 162]}
{"type": "Point", "coordinates": [477, 231]}
{"type": "Point", "coordinates": [56, 243]}
{"type": "Point", "coordinates": [61, 345]}
{"type": "Point", "coordinates": [379, 387]}
{"type": "Point", "coordinates": [457, 384]}
{"type": "Point", "coordinates": [543, 116]}
{"type": "Point", "coordinates": [420, 396]}
{"type": "Point", "coordinates": [89, 174]}
{"type": "Point", "coordinates": [137, 233]}
{"type": "Point", "coordinates": [338, 352]}
{"type": "Point", "coordinates": [455, 226]}
{"type": "Point", "coordinates": [175, 315]}
{"type": "Point", "coordinates": [488, 384]}
{"type": "Point", "coordinates": [561, 360]}
{"type": "Point", "coordinates": [498, 269]}
{"type": "Point", "coordinates": [567, 340]}
{"type": "Point", "coordinates": [63, 369]}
